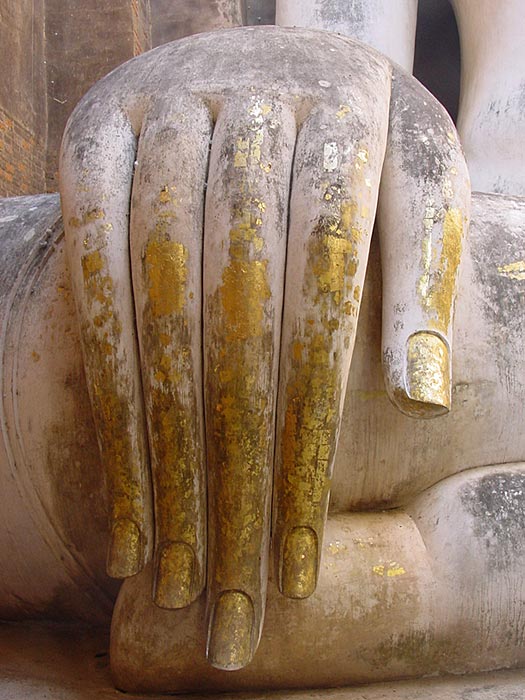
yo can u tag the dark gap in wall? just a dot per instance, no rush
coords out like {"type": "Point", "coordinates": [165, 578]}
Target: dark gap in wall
{"type": "Point", "coordinates": [260, 11]}
{"type": "Point", "coordinates": [437, 58]}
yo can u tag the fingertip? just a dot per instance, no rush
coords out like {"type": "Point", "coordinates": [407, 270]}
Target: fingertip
{"type": "Point", "coordinates": [427, 389]}
{"type": "Point", "coordinates": [231, 638]}
{"type": "Point", "coordinates": [299, 564]}
{"type": "Point", "coordinates": [125, 551]}
{"type": "Point", "coordinates": [174, 584]}
{"type": "Point", "coordinates": [428, 371]}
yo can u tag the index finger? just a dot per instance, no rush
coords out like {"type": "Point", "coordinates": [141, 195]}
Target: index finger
{"type": "Point", "coordinates": [96, 174]}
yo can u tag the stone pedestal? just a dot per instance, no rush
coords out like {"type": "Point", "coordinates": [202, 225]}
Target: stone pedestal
{"type": "Point", "coordinates": [62, 663]}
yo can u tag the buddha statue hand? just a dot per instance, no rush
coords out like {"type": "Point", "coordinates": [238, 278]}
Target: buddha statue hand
{"type": "Point", "coordinates": [219, 195]}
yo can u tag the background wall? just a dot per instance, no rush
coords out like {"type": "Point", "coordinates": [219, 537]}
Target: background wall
{"type": "Point", "coordinates": [173, 19]}
{"type": "Point", "coordinates": [85, 40]}
{"type": "Point", "coordinates": [52, 51]}
{"type": "Point", "coordinates": [437, 58]}
{"type": "Point", "coordinates": [23, 112]}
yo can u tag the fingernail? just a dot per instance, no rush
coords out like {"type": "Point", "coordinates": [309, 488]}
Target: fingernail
{"type": "Point", "coordinates": [174, 580]}
{"type": "Point", "coordinates": [230, 640]}
{"type": "Point", "coordinates": [299, 563]}
{"type": "Point", "coordinates": [124, 552]}
{"type": "Point", "coordinates": [428, 373]}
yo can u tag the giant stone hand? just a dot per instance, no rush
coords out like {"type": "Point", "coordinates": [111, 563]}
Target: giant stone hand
{"type": "Point", "coordinates": [219, 195]}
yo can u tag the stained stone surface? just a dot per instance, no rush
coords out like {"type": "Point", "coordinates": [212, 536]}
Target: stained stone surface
{"type": "Point", "coordinates": [70, 663]}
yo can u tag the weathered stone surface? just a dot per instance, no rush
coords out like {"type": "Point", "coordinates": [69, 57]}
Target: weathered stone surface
{"type": "Point", "coordinates": [50, 552]}
{"type": "Point", "coordinates": [486, 507]}
{"type": "Point", "coordinates": [72, 664]}
{"type": "Point", "coordinates": [423, 170]}
{"type": "Point", "coordinates": [425, 453]}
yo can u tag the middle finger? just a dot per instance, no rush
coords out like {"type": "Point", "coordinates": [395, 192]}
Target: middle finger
{"type": "Point", "coordinates": [244, 259]}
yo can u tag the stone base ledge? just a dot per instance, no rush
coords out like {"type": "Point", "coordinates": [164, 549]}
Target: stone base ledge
{"type": "Point", "coordinates": [72, 663]}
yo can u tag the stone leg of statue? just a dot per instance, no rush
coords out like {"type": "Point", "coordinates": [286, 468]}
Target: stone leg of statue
{"type": "Point", "coordinates": [390, 27]}
{"type": "Point", "coordinates": [293, 174]}
{"type": "Point", "coordinates": [400, 594]}
{"type": "Point", "coordinates": [491, 120]}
